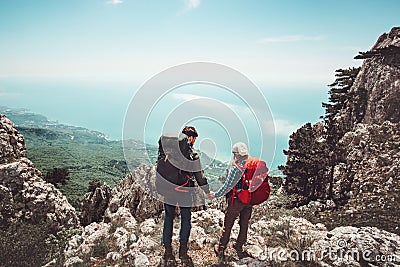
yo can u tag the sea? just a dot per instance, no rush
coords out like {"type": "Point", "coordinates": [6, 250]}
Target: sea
{"type": "Point", "coordinates": [103, 106]}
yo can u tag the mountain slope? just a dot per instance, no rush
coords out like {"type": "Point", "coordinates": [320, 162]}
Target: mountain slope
{"type": "Point", "coordinates": [87, 155]}
{"type": "Point", "coordinates": [353, 158]}
{"type": "Point", "coordinates": [32, 212]}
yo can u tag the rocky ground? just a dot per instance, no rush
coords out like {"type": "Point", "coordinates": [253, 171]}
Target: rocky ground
{"type": "Point", "coordinates": [287, 241]}
{"type": "Point", "coordinates": [277, 236]}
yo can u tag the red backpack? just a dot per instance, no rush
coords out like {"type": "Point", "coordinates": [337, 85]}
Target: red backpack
{"type": "Point", "coordinates": [255, 186]}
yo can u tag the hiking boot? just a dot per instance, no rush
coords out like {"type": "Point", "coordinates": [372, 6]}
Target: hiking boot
{"type": "Point", "coordinates": [168, 258]}
{"type": "Point", "coordinates": [186, 261]}
{"type": "Point", "coordinates": [170, 262]}
{"type": "Point", "coordinates": [220, 253]}
{"type": "Point", "coordinates": [240, 252]}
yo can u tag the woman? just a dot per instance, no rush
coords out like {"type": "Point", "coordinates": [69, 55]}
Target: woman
{"type": "Point", "coordinates": [235, 207]}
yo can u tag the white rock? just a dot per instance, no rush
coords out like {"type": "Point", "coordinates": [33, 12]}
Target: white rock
{"type": "Point", "coordinates": [141, 260]}
{"type": "Point", "coordinates": [132, 238]}
{"type": "Point", "coordinates": [73, 261]}
{"type": "Point", "coordinates": [249, 262]}
{"type": "Point", "coordinates": [254, 251]}
{"type": "Point", "coordinates": [144, 243]}
{"type": "Point", "coordinates": [113, 256]}
{"type": "Point", "coordinates": [198, 237]}
{"type": "Point", "coordinates": [121, 236]}
{"type": "Point", "coordinates": [147, 227]}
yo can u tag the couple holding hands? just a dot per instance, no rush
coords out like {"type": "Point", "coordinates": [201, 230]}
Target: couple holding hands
{"type": "Point", "coordinates": [233, 183]}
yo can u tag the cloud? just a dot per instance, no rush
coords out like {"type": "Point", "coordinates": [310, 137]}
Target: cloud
{"type": "Point", "coordinates": [284, 127]}
{"type": "Point", "coordinates": [192, 4]}
{"type": "Point", "coordinates": [289, 38]}
{"type": "Point", "coordinates": [214, 102]}
{"type": "Point", "coordinates": [115, 2]}
{"type": "Point", "coordinates": [7, 94]}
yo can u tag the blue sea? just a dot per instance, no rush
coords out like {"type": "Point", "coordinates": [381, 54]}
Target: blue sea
{"type": "Point", "coordinates": [102, 106]}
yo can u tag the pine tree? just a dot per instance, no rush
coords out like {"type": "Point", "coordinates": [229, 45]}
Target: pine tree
{"type": "Point", "coordinates": [339, 97]}
{"type": "Point", "coordinates": [312, 151]}
{"type": "Point", "coordinates": [306, 163]}
{"type": "Point", "coordinates": [338, 94]}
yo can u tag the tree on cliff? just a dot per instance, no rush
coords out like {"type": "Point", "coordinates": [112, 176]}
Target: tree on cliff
{"type": "Point", "coordinates": [306, 163]}
{"type": "Point", "coordinates": [339, 97]}
{"type": "Point", "coordinates": [312, 149]}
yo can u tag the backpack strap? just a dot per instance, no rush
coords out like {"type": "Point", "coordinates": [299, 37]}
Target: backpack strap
{"type": "Point", "coordinates": [178, 188]}
{"type": "Point", "coordinates": [234, 190]}
{"type": "Point", "coordinates": [243, 169]}
{"type": "Point", "coordinates": [233, 195]}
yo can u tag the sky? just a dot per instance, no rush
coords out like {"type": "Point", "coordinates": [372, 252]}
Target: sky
{"type": "Point", "coordinates": [96, 53]}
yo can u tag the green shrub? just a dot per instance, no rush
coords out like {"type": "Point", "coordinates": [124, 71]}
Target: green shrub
{"type": "Point", "coordinates": [56, 176]}
{"type": "Point", "coordinates": [32, 245]}
{"type": "Point", "coordinates": [24, 245]}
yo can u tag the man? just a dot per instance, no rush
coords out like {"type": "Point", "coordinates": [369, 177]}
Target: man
{"type": "Point", "coordinates": [180, 196]}
{"type": "Point", "coordinates": [235, 207]}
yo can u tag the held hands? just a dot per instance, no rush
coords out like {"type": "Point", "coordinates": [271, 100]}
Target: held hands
{"type": "Point", "coordinates": [211, 196]}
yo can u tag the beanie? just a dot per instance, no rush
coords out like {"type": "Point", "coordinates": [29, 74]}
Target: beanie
{"type": "Point", "coordinates": [240, 148]}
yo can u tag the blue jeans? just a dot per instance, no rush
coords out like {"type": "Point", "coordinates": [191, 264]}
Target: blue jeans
{"type": "Point", "coordinates": [186, 214]}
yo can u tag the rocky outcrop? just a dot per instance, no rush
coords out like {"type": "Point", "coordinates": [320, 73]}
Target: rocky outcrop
{"type": "Point", "coordinates": [111, 241]}
{"type": "Point", "coordinates": [379, 81]}
{"type": "Point", "coordinates": [95, 203]}
{"type": "Point", "coordinates": [12, 144]}
{"type": "Point", "coordinates": [24, 195]}
{"type": "Point", "coordinates": [134, 193]}
{"type": "Point", "coordinates": [288, 240]}
{"type": "Point", "coordinates": [371, 166]}
{"type": "Point", "coordinates": [354, 160]}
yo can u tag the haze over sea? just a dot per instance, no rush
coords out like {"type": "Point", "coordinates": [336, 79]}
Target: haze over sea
{"type": "Point", "coordinates": [101, 106]}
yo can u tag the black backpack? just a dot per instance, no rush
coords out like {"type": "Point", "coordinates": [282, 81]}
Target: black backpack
{"type": "Point", "coordinates": [173, 152]}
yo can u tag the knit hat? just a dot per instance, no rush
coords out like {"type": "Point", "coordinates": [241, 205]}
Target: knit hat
{"type": "Point", "coordinates": [240, 148]}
